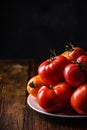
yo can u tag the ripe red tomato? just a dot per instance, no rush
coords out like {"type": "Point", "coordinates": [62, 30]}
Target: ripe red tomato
{"type": "Point", "coordinates": [51, 70]}
{"type": "Point", "coordinates": [83, 61]}
{"type": "Point", "coordinates": [74, 75]}
{"type": "Point", "coordinates": [73, 52]}
{"type": "Point", "coordinates": [79, 99]}
{"type": "Point", "coordinates": [54, 99]}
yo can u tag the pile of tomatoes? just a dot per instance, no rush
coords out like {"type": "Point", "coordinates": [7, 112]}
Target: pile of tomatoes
{"type": "Point", "coordinates": [61, 82]}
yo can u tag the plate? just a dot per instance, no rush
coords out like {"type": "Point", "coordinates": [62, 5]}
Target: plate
{"type": "Point", "coordinates": [31, 101]}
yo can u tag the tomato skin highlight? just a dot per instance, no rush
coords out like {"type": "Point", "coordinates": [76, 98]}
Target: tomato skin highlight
{"type": "Point", "coordinates": [74, 75]}
{"type": "Point", "coordinates": [79, 100]}
{"type": "Point", "coordinates": [56, 98]}
{"type": "Point", "coordinates": [51, 71]}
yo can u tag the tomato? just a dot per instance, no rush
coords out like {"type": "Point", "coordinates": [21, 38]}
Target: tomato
{"type": "Point", "coordinates": [51, 70]}
{"type": "Point", "coordinates": [54, 99]}
{"type": "Point", "coordinates": [34, 85]}
{"type": "Point", "coordinates": [72, 52]}
{"type": "Point", "coordinates": [66, 54]}
{"type": "Point", "coordinates": [74, 75]}
{"type": "Point", "coordinates": [79, 99]}
{"type": "Point", "coordinates": [83, 61]}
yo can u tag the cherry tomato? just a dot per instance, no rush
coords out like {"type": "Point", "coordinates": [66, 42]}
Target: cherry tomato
{"type": "Point", "coordinates": [73, 52]}
{"type": "Point", "coordinates": [34, 85]}
{"type": "Point", "coordinates": [54, 99]}
{"type": "Point", "coordinates": [79, 99]}
{"type": "Point", "coordinates": [51, 70]}
{"type": "Point", "coordinates": [74, 75]}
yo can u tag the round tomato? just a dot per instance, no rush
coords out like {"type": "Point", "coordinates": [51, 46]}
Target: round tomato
{"type": "Point", "coordinates": [83, 61]}
{"type": "Point", "coordinates": [54, 99]}
{"type": "Point", "coordinates": [51, 70]}
{"type": "Point", "coordinates": [74, 75]}
{"type": "Point", "coordinates": [79, 99]}
{"type": "Point", "coordinates": [73, 52]}
{"type": "Point", "coordinates": [34, 85]}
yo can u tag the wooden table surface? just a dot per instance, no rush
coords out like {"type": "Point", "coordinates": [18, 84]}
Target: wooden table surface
{"type": "Point", "coordinates": [15, 114]}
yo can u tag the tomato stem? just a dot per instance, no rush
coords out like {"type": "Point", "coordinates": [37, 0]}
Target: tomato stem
{"type": "Point", "coordinates": [32, 84]}
{"type": "Point", "coordinates": [52, 55]}
{"type": "Point", "coordinates": [50, 87]}
{"type": "Point", "coordinates": [69, 47]}
{"type": "Point", "coordinates": [53, 52]}
{"type": "Point", "coordinates": [81, 66]}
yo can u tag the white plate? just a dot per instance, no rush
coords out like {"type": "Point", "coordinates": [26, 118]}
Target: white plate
{"type": "Point", "coordinates": [31, 101]}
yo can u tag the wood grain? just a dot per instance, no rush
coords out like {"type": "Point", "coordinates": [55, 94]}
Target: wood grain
{"type": "Point", "coordinates": [13, 79]}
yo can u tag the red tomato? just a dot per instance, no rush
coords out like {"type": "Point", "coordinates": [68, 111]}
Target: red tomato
{"type": "Point", "coordinates": [83, 61]}
{"type": "Point", "coordinates": [76, 52]}
{"type": "Point", "coordinates": [74, 75]}
{"type": "Point", "coordinates": [72, 52]}
{"type": "Point", "coordinates": [56, 98]}
{"type": "Point", "coordinates": [51, 70]}
{"type": "Point", "coordinates": [79, 99]}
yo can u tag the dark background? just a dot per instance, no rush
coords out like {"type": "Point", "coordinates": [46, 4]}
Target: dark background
{"type": "Point", "coordinates": [32, 28]}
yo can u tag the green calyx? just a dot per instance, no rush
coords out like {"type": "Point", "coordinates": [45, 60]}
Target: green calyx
{"type": "Point", "coordinates": [52, 55]}
{"type": "Point", "coordinates": [69, 47]}
{"type": "Point", "coordinates": [32, 85]}
{"type": "Point", "coordinates": [82, 66]}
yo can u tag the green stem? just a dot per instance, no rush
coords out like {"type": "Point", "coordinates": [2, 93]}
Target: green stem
{"type": "Point", "coordinates": [70, 47]}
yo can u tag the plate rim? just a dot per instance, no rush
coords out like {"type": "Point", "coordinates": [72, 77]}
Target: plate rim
{"type": "Point", "coordinates": [41, 110]}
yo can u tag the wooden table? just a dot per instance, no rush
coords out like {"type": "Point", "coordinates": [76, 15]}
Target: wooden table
{"type": "Point", "coordinates": [15, 114]}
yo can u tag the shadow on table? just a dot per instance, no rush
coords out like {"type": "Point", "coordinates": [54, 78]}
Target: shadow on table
{"type": "Point", "coordinates": [71, 121]}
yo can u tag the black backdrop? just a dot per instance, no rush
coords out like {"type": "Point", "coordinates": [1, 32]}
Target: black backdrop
{"type": "Point", "coordinates": [32, 28]}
